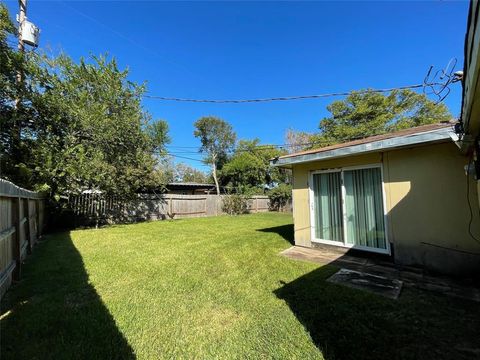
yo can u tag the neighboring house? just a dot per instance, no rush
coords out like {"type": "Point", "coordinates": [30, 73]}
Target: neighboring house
{"type": "Point", "coordinates": [190, 188]}
{"type": "Point", "coordinates": [402, 194]}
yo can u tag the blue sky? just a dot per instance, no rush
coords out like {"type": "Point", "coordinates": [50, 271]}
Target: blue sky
{"type": "Point", "coordinates": [251, 49]}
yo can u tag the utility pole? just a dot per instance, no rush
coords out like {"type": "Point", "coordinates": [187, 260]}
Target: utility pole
{"type": "Point", "coordinates": [21, 46]}
{"type": "Point", "coordinates": [21, 18]}
{"type": "Point", "coordinates": [16, 128]}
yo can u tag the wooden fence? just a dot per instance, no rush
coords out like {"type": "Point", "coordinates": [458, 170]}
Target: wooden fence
{"type": "Point", "coordinates": [22, 214]}
{"type": "Point", "coordinates": [95, 208]}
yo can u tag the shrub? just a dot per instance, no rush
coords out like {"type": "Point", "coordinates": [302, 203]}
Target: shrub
{"type": "Point", "coordinates": [235, 204]}
{"type": "Point", "coordinates": [279, 196]}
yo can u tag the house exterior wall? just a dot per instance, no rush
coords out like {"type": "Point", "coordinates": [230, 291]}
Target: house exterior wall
{"type": "Point", "coordinates": [426, 203]}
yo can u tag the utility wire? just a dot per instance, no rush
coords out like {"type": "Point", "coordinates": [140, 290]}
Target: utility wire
{"type": "Point", "coordinates": [285, 98]}
{"type": "Point", "coordinates": [183, 157]}
{"type": "Point", "coordinates": [438, 85]}
{"type": "Point", "coordinates": [268, 146]}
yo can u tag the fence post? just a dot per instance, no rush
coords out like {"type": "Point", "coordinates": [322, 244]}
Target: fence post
{"type": "Point", "coordinates": [28, 233]}
{"type": "Point", "coordinates": [17, 246]}
{"type": "Point", "coordinates": [39, 226]}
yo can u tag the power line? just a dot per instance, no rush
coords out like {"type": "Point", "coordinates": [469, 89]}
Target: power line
{"type": "Point", "coordinates": [266, 146]}
{"type": "Point", "coordinates": [438, 85]}
{"type": "Point", "coordinates": [285, 98]}
{"type": "Point", "coordinates": [184, 157]}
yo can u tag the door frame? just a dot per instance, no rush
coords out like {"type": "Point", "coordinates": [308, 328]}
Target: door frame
{"type": "Point", "coordinates": [344, 244]}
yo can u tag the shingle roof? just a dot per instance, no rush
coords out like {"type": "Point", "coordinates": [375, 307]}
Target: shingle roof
{"type": "Point", "coordinates": [440, 132]}
{"type": "Point", "coordinates": [400, 133]}
{"type": "Point", "coordinates": [190, 184]}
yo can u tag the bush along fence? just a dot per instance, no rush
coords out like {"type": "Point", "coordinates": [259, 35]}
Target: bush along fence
{"type": "Point", "coordinates": [94, 209]}
{"type": "Point", "coordinates": [22, 215]}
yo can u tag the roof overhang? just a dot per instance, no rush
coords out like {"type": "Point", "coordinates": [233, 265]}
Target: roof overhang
{"type": "Point", "coordinates": [471, 77]}
{"type": "Point", "coordinates": [189, 186]}
{"type": "Point", "coordinates": [445, 134]}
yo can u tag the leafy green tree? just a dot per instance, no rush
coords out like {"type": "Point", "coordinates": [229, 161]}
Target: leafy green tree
{"type": "Point", "coordinates": [217, 138]}
{"type": "Point", "coordinates": [92, 132]}
{"type": "Point", "coordinates": [279, 196]}
{"type": "Point", "coordinates": [296, 141]}
{"type": "Point", "coordinates": [363, 114]}
{"type": "Point", "coordinates": [249, 171]}
{"type": "Point", "coordinates": [14, 116]}
{"type": "Point", "coordinates": [186, 173]}
{"type": "Point", "coordinates": [76, 127]}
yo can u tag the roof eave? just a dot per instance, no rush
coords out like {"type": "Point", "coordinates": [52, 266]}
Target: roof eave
{"type": "Point", "coordinates": [471, 73]}
{"type": "Point", "coordinates": [441, 135]}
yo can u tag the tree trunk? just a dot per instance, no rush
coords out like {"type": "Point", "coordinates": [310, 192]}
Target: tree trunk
{"type": "Point", "coordinates": [214, 173]}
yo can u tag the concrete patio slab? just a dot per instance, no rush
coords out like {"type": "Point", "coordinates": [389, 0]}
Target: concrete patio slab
{"type": "Point", "coordinates": [409, 276]}
{"type": "Point", "coordinates": [376, 284]}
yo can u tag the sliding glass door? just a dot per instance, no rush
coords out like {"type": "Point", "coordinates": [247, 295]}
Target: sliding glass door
{"type": "Point", "coordinates": [347, 207]}
{"type": "Point", "coordinates": [328, 207]}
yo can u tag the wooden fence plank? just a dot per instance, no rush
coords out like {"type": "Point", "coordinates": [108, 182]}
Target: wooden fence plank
{"type": "Point", "coordinates": [6, 233]}
{"type": "Point", "coordinates": [28, 230]}
{"type": "Point", "coordinates": [18, 230]}
{"type": "Point", "coordinates": [16, 204]}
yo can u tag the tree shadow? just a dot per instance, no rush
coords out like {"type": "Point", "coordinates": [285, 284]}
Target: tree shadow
{"type": "Point", "coordinates": [352, 324]}
{"type": "Point", "coordinates": [285, 231]}
{"type": "Point", "coordinates": [54, 313]}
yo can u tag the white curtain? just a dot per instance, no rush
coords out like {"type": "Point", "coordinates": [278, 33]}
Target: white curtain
{"type": "Point", "coordinates": [328, 207]}
{"type": "Point", "coordinates": [364, 208]}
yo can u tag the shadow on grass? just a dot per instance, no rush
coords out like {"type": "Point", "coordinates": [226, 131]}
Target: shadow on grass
{"type": "Point", "coordinates": [53, 312]}
{"type": "Point", "coordinates": [352, 324]}
{"type": "Point", "coordinates": [285, 231]}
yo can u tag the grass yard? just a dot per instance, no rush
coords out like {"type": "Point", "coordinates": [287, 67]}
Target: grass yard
{"type": "Point", "coordinates": [214, 288]}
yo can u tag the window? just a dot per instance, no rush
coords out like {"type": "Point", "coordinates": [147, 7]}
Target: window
{"type": "Point", "coordinates": [347, 208]}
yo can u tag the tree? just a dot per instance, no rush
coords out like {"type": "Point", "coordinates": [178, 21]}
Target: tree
{"type": "Point", "coordinates": [14, 117]}
{"type": "Point", "coordinates": [217, 138]}
{"type": "Point", "coordinates": [363, 114]}
{"type": "Point", "coordinates": [249, 170]}
{"type": "Point", "coordinates": [186, 173]}
{"type": "Point", "coordinates": [279, 196]}
{"type": "Point", "coordinates": [297, 140]}
{"type": "Point", "coordinates": [92, 132]}
{"type": "Point", "coordinates": [81, 125]}
{"type": "Point", "coordinates": [164, 172]}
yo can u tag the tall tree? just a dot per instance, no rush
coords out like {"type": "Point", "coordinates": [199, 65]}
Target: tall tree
{"type": "Point", "coordinates": [92, 132]}
{"type": "Point", "coordinates": [13, 119]}
{"type": "Point", "coordinates": [296, 141]}
{"type": "Point", "coordinates": [363, 114]}
{"type": "Point", "coordinates": [249, 170]}
{"type": "Point", "coordinates": [81, 125]}
{"type": "Point", "coordinates": [217, 138]}
{"type": "Point", "coordinates": [186, 173]}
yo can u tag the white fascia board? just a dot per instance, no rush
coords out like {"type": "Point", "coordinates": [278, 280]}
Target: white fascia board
{"type": "Point", "coordinates": [445, 134]}
{"type": "Point", "coordinates": [472, 66]}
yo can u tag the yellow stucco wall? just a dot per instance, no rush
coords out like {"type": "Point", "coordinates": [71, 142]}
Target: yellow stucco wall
{"type": "Point", "coordinates": [426, 202]}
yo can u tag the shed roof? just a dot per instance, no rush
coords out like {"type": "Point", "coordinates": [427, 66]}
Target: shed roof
{"type": "Point", "coordinates": [189, 185]}
{"type": "Point", "coordinates": [439, 132]}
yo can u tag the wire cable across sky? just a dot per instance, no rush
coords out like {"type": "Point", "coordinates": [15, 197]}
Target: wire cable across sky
{"type": "Point", "coordinates": [285, 98]}
{"type": "Point", "coordinates": [438, 85]}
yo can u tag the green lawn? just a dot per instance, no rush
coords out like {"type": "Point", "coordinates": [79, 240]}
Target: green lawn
{"type": "Point", "coordinates": [214, 288]}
